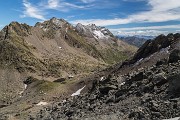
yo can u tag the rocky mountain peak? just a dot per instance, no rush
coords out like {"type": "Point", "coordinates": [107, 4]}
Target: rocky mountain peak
{"type": "Point", "coordinates": [157, 44]}
{"type": "Point", "coordinates": [94, 31]}
{"type": "Point", "coordinates": [15, 28]}
{"type": "Point", "coordinates": [57, 21]}
{"type": "Point", "coordinates": [159, 48]}
{"type": "Point", "coordinates": [52, 24]}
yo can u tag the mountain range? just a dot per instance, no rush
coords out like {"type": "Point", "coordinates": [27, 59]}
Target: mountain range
{"type": "Point", "coordinates": [46, 61]}
{"type": "Point", "coordinates": [136, 40]}
{"type": "Point", "coordinates": [55, 71]}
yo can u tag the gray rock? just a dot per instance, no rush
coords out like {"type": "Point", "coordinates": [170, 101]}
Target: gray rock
{"type": "Point", "coordinates": [174, 83]}
{"type": "Point", "coordinates": [174, 56]}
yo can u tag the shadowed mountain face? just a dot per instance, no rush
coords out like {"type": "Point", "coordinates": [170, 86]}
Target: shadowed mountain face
{"type": "Point", "coordinates": [134, 40]}
{"type": "Point", "coordinates": [146, 86]}
{"type": "Point", "coordinates": [50, 51]}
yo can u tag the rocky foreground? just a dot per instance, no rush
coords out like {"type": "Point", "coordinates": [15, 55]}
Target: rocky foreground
{"type": "Point", "coordinates": [151, 92]}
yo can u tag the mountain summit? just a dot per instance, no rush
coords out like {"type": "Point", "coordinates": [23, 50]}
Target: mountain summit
{"type": "Point", "coordinates": [92, 30]}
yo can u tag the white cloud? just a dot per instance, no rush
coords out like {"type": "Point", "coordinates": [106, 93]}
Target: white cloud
{"type": "Point", "coordinates": [53, 3]}
{"type": "Point", "coordinates": [73, 5]}
{"type": "Point", "coordinates": [71, 16]}
{"type": "Point", "coordinates": [150, 28]}
{"type": "Point", "coordinates": [31, 11]}
{"type": "Point", "coordinates": [133, 0]}
{"type": "Point", "coordinates": [88, 1]}
{"type": "Point", "coordinates": [161, 11]}
{"type": "Point", "coordinates": [61, 5]}
{"type": "Point", "coordinates": [142, 32]}
{"type": "Point", "coordinates": [42, 7]}
{"type": "Point", "coordinates": [103, 22]}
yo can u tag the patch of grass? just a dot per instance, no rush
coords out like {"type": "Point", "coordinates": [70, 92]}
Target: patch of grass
{"type": "Point", "coordinates": [16, 52]}
{"type": "Point", "coordinates": [46, 86]}
{"type": "Point", "coordinates": [113, 56]}
{"type": "Point", "coordinates": [78, 41]}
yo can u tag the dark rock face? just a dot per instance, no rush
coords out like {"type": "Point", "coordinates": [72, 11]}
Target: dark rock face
{"type": "Point", "coordinates": [174, 56]}
{"type": "Point", "coordinates": [150, 47]}
{"type": "Point", "coordinates": [61, 80]}
{"type": "Point", "coordinates": [30, 80]}
{"type": "Point", "coordinates": [134, 40]}
{"type": "Point", "coordinates": [174, 84]}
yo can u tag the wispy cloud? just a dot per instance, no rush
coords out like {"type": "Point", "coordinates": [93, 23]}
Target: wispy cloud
{"type": "Point", "coordinates": [88, 1]}
{"type": "Point", "coordinates": [142, 32]}
{"type": "Point", "coordinates": [161, 11]}
{"type": "Point", "coordinates": [53, 4]}
{"type": "Point", "coordinates": [103, 22]}
{"type": "Point", "coordinates": [150, 30]}
{"type": "Point", "coordinates": [133, 0]}
{"type": "Point", "coordinates": [38, 11]}
{"type": "Point", "coordinates": [32, 11]}
{"type": "Point", "coordinates": [61, 5]}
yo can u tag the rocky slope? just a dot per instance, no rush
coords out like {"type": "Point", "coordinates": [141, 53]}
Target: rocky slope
{"type": "Point", "coordinates": [110, 48]}
{"type": "Point", "coordinates": [46, 61]}
{"type": "Point", "coordinates": [146, 87]}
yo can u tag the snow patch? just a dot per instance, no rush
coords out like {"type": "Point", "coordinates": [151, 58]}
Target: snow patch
{"type": "Point", "coordinates": [66, 30]}
{"type": "Point", "coordinates": [102, 78]}
{"type": "Point", "coordinates": [78, 91]}
{"type": "Point", "coordinates": [138, 62]}
{"type": "Point", "coordinates": [63, 101]}
{"type": "Point", "coordinates": [25, 87]}
{"type": "Point", "coordinates": [21, 93]}
{"type": "Point", "coordinates": [166, 50]}
{"type": "Point", "coordinates": [98, 34]}
{"type": "Point", "coordinates": [42, 103]}
{"type": "Point", "coordinates": [45, 29]}
{"type": "Point", "coordinates": [70, 76]}
{"type": "Point", "coordinates": [41, 26]}
{"type": "Point", "coordinates": [122, 83]}
{"type": "Point", "coordinates": [57, 22]}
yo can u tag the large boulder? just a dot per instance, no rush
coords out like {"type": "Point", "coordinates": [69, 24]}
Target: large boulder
{"type": "Point", "coordinates": [174, 56]}
{"type": "Point", "coordinates": [174, 84]}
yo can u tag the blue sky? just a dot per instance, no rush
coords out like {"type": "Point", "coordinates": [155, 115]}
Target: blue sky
{"type": "Point", "coordinates": [123, 17]}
